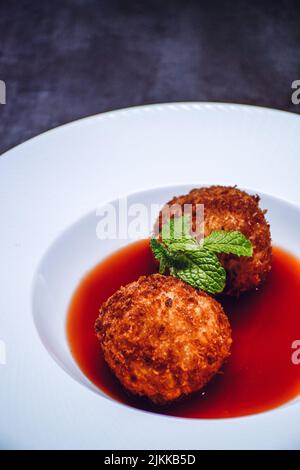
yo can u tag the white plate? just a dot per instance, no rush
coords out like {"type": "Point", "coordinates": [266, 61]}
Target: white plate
{"type": "Point", "coordinates": [51, 181]}
{"type": "Point", "coordinates": [78, 250]}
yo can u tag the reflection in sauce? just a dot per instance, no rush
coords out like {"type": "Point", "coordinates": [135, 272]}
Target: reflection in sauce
{"type": "Point", "coordinates": [259, 374]}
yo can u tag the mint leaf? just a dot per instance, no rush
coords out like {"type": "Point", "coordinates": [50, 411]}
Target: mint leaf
{"type": "Point", "coordinates": [202, 270]}
{"type": "Point", "coordinates": [176, 235]}
{"type": "Point", "coordinates": [183, 245]}
{"type": "Point", "coordinates": [234, 242]}
{"type": "Point", "coordinates": [160, 253]}
{"type": "Point", "coordinates": [177, 229]}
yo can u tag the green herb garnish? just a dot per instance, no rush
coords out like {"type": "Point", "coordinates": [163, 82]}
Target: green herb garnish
{"type": "Point", "coordinates": [235, 243]}
{"type": "Point", "coordinates": [196, 263]}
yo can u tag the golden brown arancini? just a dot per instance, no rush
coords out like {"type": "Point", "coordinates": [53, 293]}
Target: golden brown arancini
{"type": "Point", "coordinates": [162, 338]}
{"type": "Point", "coordinates": [229, 208]}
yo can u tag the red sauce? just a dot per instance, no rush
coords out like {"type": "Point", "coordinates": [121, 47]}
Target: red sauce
{"type": "Point", "coordinates": [259, 374]}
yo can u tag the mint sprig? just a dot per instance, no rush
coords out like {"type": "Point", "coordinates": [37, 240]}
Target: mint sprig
{"type": "Point", "coordinates": [234, 242]}
{"type": "Point", "coordinates": [201, 269]}
{"type": "Point", "coordinates": [197, 263]}
{"type": "Point", "coordinates": [161, 254]}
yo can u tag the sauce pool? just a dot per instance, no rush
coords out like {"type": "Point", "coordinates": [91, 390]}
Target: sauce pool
{"type": "Point", "coordinates": [258, 376]}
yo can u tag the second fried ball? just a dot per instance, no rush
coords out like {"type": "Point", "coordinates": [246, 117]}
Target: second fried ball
{"type": "Point", "coordinates": [229, 208]}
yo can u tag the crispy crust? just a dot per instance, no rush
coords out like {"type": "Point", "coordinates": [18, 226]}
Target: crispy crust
{"type": "Point", "coordinates": [162, 338]}
{"type": "Point", "coordinates": [229, 208]}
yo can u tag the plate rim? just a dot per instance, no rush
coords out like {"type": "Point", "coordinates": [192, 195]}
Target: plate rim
{"type": "Point", "coordinates": [132, 109]}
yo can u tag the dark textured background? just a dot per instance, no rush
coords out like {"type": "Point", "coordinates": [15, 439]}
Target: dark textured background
{"type": "Point", "coordinates": [66, 59]}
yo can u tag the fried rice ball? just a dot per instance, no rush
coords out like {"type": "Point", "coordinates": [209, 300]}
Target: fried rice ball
{"type": "Point", "coordinates": [162, 338]}
{"type": "Point", "coordinates": [229, 208]}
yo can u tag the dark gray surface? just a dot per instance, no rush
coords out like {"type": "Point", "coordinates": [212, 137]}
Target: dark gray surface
{"type": "Point", "coordinates": [63, 60]}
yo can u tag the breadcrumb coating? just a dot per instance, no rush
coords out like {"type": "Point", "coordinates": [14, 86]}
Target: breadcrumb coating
{"type": "Point", "coordinates": [229, 208]}
{"type": "Point", "coordinates": [162, 338]}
